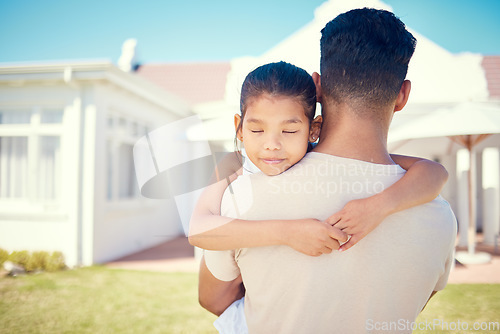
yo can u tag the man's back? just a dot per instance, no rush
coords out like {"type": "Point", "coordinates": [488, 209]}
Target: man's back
{"type": "Point", "coordinates": [382, 282]}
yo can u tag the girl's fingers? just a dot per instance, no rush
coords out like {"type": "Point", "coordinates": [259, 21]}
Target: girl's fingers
{"type": "Point", "coordinates": [354, 240]}
{"type": "Point", "coordinates": [327, 250]}
{"type": "Point", "coordinates": [338, 223]}
{"type": "Point", "coordinates": [342, 225]}
{"type": "Point", "coordinates": [334, 219]}
{"type": "Point", "coordinates": [337, 234]}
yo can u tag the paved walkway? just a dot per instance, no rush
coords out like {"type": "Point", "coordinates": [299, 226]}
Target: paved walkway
{"type": "Point", "coordinates": [178, 256]}
{"type": "Point", "coordinates": [478, 273]}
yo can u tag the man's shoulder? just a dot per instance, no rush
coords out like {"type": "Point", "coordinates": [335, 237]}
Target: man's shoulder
{"type": "Point", "coordinates": [439, 204]}
{"type": "Point", "coordinates": [436, 215]}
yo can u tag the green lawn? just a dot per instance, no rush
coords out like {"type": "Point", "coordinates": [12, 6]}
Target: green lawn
{"type": "Point", "coordinates": [102, 300]}
{"type": "Point", "coordinates": [463, 305]}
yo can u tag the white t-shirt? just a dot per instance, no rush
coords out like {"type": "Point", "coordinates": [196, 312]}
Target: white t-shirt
{"type": "Point", "coordinates": [384, 280]}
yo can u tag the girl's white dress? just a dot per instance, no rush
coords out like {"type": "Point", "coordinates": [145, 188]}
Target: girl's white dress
{"type": "Point", "coordinates": [232, 320]}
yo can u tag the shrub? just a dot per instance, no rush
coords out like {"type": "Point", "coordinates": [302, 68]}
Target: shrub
{"type": "Point", "coordinates": [4, 256]}
{"type": "Point", "coordinates": [55, 262]}
{"type": "Point", "coordinates": [37, 261]}
{"type": "Point", "coordinates": [20, 257]}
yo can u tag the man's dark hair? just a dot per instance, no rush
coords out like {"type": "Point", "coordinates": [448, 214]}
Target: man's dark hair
{"type": "Point", "coordinates": [364, 57]}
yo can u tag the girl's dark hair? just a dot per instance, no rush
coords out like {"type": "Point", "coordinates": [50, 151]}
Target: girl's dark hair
{"type": "Point", "coordinates": [279, 79]}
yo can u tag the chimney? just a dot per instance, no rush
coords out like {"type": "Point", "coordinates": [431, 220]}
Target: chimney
{"type": "Point", "coordinates": [128, 59]}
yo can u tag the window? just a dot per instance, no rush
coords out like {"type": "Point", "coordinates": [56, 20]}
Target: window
{"type": "Point", "coordinates": [51, 116]}
{"type": "Point", "coordinates": [123, 133]}
{"type": "Point", "coordinates": [30, 159]}
{"type": "Point", "coordinates": [15, 117]}
{"type": "Point", "coordinates": [13, 167]}
{"type": "Point", "coordinates": [128, 186]}
{"type": "Point", "coordinates": [49, 163]}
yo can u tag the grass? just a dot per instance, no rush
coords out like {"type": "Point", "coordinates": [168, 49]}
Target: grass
{"type": "Point", "coordinates": [463, 305]}
{"type": "Point", "coordinates": [102, 300]}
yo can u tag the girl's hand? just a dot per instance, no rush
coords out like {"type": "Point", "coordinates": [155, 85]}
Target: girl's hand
{"type": "Point", "coordinates": [358, 218]}
{"type": "Point", "coordinates": [313, 237]}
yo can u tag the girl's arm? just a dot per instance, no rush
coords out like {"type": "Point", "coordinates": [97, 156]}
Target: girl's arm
{"type": "Point", "coordinates": [422, 183]}
{"type": "Point", "coordinates": [209, 230]}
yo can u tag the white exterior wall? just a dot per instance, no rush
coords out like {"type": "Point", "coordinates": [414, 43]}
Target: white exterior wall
{"type": "Point", "coordinates": [85, 223]}
{"type": "Point", "coordinates": [125, 226]}
{"type": "Point", "coordinates": [25, 226]}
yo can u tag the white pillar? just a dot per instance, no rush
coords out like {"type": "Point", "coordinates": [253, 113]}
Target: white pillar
{"type": "Point", "coordinates": [462, 199]}
{"type": "Point", "coordinates": [88, 200]}
{"type": "Point", "coordinates": [449, 191]}
{"type": "Point", "coordinates": [491, 194]}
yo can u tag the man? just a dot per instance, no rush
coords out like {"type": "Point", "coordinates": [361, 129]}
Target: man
{"type": "Point", "coordinates": [383, 282]}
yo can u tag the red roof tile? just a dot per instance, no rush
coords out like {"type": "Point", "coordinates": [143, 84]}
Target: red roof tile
{"type": "Point", "coordinates": [195, 82]}
{"type": "Point", "coordinates": [491, 66]}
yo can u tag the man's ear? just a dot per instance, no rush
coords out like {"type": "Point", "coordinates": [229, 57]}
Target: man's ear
{"type": "Point", "coordinates": [237, 128]}
{"type": "Point", "coordinates": [404, 94]}
{"type": "Point", "coordinates": [317, 81]}
{"type": "Point", "coordinates": [315, 129]}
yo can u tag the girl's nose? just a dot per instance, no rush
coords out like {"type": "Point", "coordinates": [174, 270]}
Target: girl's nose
{"type": "Point", "coordinates": [272, 143]}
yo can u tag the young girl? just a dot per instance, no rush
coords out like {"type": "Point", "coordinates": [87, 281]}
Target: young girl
{"type": "Point", "coordinates": [276, 126]}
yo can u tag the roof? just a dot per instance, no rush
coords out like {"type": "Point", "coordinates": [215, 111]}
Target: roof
{"type": "Point", "coordinates": [491, 66]}
{"type": "Point", "coordinates": [194, 82]}
{"type": "Point", "coordinates": [91, 71]}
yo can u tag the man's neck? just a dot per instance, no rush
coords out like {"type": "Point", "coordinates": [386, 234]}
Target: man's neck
{"type": "Point", "coordinates": [349, 136]}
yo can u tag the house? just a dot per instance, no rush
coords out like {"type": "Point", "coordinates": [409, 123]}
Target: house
{"type": "Point", "coordinates": [67, 180]}
{"type": "Point", "coordinates": [68, 130]}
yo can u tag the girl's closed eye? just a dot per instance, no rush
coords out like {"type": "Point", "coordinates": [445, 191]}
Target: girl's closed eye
{"type": "Point", "coordinates": [290, 131]}
{"type": "Point", "coordinates": [256, 131]}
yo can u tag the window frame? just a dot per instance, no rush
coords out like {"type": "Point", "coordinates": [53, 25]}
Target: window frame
{"type": "Point", "coordinates": [121, 129]}
{"type": "Point", "coordinates": [34, 130]}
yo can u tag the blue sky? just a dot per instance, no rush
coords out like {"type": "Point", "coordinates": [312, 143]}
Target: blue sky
{"type": "Point", "coordinates": [183, 30]}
